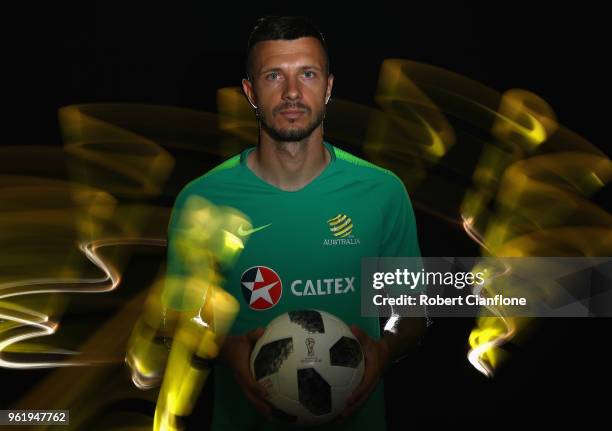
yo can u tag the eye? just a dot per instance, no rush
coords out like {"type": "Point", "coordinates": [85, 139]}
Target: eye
{"type": "Point", "coordinates": [272, 76]}
{"type": "Point", "coordinates": [309, 74]}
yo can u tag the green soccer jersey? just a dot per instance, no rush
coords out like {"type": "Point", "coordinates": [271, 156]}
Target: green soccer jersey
{"type": "Point", "coordinates": [304, 252]}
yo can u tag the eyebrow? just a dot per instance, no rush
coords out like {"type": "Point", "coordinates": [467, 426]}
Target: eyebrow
{"type": "Point", "coordinates": [278, 69]}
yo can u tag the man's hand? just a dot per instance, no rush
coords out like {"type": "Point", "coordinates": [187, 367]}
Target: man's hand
{"type": "Point", "coordinates": [376, 356]}
{"type": "Point", "coordinates": [236, 354]}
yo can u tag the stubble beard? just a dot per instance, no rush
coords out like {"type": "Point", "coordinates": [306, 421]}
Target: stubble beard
{"type": "Point", "coordinates": [286, 135]}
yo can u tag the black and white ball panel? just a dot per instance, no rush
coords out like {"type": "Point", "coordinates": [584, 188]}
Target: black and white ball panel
{"type": "Point", "coordinates": [310, 320]}
{"type": "Point", "coordinates": [271, 356]}
{"type": "Point", "coordinates": [311, 362]}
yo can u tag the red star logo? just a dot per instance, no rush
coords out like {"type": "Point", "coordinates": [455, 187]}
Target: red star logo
{"type": "Point", "coordinates": [262, 287]}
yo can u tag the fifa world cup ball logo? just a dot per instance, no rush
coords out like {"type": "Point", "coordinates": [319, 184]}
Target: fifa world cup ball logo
{"type": "Point", "coordinates": [310, 342]}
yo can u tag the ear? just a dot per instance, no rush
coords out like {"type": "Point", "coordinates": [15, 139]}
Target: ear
{"type": "Point", "coordinates": [330, 84]}
{"type": "Point", "coordinates": [247, 88]}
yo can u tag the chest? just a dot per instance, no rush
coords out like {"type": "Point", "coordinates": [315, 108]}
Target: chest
{"type": "Point", "coordinates": [303, 254]}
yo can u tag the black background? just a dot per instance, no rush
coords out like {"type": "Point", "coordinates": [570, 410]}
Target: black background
{"type": "Point", "coordinates": [179, 54]}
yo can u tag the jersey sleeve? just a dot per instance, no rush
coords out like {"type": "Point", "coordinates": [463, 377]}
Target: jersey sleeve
{"type": "Point", "coordinates": [400, 237]}
{"type": "Point", "coordinates": [174, 295]}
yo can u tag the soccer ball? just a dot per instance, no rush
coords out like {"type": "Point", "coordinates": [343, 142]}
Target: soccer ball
{"type": "Point", "coordinates": [310, 362]}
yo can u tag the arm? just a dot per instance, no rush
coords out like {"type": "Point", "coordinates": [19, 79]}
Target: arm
{"type": "Point", "coordinates": [401, 334]}
{"type": "Point", "coordinates": [379, 354]}
{"type": "Point", "coordinates": [404, 341]}
{"type": "Point", "coordinates": [235, 354]}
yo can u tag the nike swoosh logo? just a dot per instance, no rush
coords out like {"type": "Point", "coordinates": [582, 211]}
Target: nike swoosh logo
{"type": "Point", "coordinates": [244, 232]}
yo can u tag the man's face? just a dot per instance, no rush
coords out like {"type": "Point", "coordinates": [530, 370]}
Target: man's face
{"type": "Point", "coordinates": [289, 85]}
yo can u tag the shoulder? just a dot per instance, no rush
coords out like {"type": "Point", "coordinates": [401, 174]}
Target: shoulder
{"type": "Point", "coordinates": [206, 183]}
{"type": "Point", "coordinates": [384, 178]}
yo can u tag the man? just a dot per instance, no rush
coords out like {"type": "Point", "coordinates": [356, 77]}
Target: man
{"type": "Point", "coordinates": [316, 211]}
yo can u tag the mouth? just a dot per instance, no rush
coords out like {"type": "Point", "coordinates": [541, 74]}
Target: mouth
{"type": "Point", "coordinates": [292, 113]}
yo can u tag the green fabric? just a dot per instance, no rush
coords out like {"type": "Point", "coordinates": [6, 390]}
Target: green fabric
{"type": "Point", "coordinates": [299, 245]}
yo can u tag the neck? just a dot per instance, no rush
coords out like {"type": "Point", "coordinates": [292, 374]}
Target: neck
{"type": "Point", "coordinates": [289, 166]}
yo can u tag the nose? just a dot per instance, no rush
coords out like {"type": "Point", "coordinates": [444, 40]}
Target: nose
{"type": "Point", "coordinates": [292, 89]}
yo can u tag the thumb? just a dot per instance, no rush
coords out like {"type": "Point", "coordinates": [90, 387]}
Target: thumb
{"type": "Point", "coordinates": [358, 332]}
{"type": "Point", "coordinates": [255, 334]}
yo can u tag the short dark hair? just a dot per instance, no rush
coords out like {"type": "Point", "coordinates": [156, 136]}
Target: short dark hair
{"type": "Point", "coordinates": [283, 28]}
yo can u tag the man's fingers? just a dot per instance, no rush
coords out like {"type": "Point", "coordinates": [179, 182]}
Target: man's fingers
{"type": "Point", "coordinates": [356, 393]}
{"type": "Point", "coordinates": [370, 374]}
{"type": "Point", "coordinates": [254, 335]}
{"type": "Point", "coordinates": [240, 363]}
{"type": "Point", "coordinates": [261, 405]}
{"type": "Point", "coordinates": [364, 388]}
{"type": "Point", "coordinates": [358, 332]}
{"type": "Point", "coordinates": [368, 379]}
{"type": "Point", "coordinates": [356, 400]}
{"type": "Point", "coordinates": [363, 338]}
{"type": "Point", "coordinates": [247, 380]}
{"type": "Point", "coordinates": [255, 392]}
{"type": "Point", "coordinates": [258, 389]}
